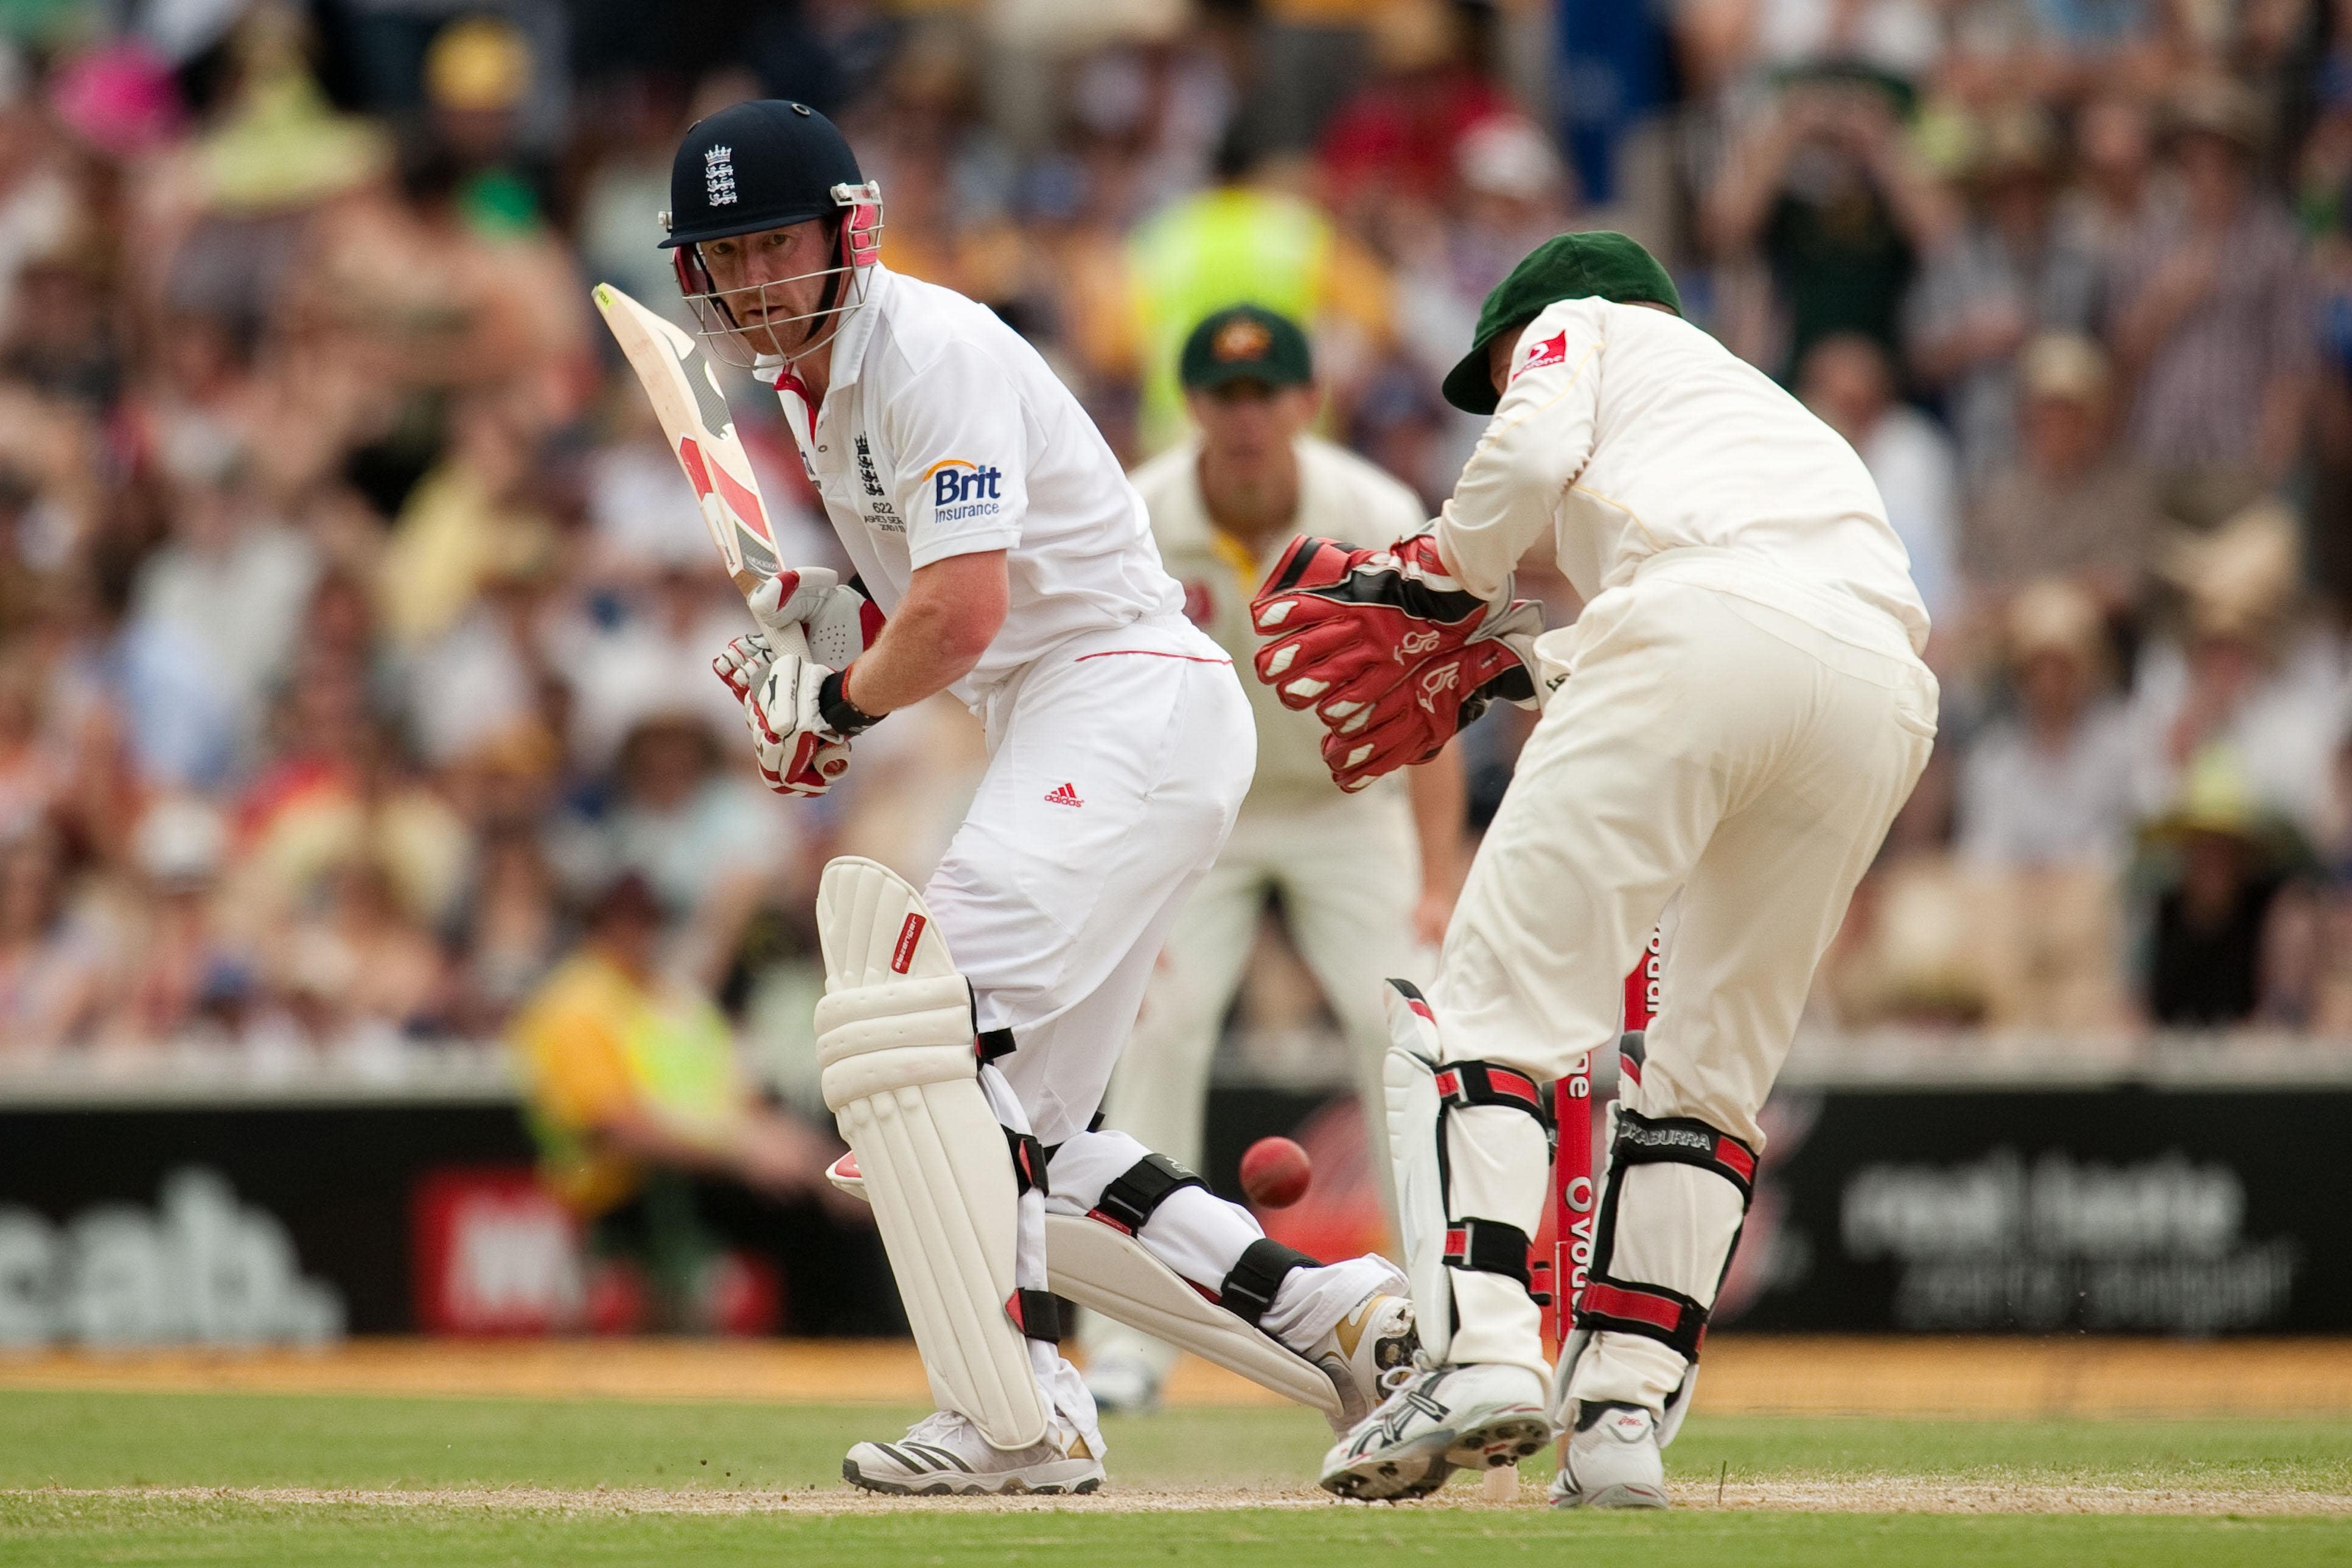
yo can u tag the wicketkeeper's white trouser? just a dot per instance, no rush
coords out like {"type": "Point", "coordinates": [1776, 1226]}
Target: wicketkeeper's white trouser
{"type": "Point", "coordinates": [1726, 732]}
{"type": "Point", "coordinates": [1348, 870]}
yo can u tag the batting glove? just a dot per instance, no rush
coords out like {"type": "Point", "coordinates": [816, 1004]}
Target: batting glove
{"type": "Point", "coordinates": [841, 622]}
{"type": "Point", "coordinates": [799, 753]}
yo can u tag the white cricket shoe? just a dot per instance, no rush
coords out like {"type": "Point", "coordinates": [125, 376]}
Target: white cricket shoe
{"type": "Point", "coordinates": [1366, 1353]}
{"type": "Point", "coordinates": [943, 1455]}
{"type": "Point", "coordinates": [1123, 1386]}
{"type": "Point", "coordinates": [1482, 1415]}
{"type": "Point", "coordinates": [1612, 1460]}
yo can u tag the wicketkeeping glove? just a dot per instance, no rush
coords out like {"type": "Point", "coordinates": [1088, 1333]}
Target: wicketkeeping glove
{"type": "Point", "coordinates": [1387, 649]}
{"type": "Point", "coordinates": [1342, 623]}
{"type": "Point", "coordinates": [1432, 700]}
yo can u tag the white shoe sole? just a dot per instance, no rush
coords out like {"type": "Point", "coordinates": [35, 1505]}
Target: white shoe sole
{"type": "Point", "coordinates": [1398, 1476]}
{"type": "Point", "coordinates": [1504, 1440]}
{"type": "Point", "coordinates": [1077, 1476]}
{"type": "Point", "coordinates": [1419, 1468]}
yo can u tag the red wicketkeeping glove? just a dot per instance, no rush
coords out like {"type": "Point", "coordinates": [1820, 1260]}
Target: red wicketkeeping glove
{"type": "Point", "coordinates": [1343, 624]}
{"type": "Point", "coordinates": [1387, 649]}
{"type": "Point", "coordinates": [1432, 700]}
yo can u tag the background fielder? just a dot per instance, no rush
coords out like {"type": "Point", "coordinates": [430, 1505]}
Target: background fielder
{"type": "Point", "coordinates": [1366, 881]}
{"type": "Point", "coordinates": [1736, 716]}
{"type": "Point", "coordinates": [993, 527]}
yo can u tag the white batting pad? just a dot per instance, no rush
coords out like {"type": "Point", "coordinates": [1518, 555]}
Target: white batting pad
{"type": "Point", "coordinates": [1110, 1272]}
{"type": "Point", "coordinates": [895, 1055]}
{"type": "Point", "coordinates": [1408, 1078]}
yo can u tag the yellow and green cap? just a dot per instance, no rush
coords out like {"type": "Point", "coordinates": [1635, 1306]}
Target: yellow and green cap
{"type": "Point", "coordinates": [1245, 342]}
{"type": "Point", "coordinates": [1598, 265]}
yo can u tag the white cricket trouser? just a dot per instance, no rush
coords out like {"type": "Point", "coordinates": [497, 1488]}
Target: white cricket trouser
{"type": "Point", "coordinates": [1116, 764]}
{"type": "Point", "coordinates": [1729, 733]}
{"type": "Point", "coordinates": [1348, 870]}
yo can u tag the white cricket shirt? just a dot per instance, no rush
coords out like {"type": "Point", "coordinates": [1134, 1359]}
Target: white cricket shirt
{"type": "Point", "coordinates": [1340, 496]}
{"type": "Point", "coordinates": [1626, 432]}
{"type": "Point", "coordinates": [942, 433]}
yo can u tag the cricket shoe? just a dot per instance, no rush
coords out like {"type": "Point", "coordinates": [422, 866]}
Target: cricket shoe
{"type": "Point", "coordinates": [1366, 1353]}
{"type": "Point", "coordinates": [1480, 1415]}
{"type": "Point", "coordinates": [1612, 1460]}
{"type": "Point", "coordinates": [943, 1455]}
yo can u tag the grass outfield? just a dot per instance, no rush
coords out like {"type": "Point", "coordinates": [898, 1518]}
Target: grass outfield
{"type": "Point", "coordinates": [114, 1477]}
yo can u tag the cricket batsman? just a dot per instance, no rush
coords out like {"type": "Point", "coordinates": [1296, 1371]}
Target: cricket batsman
{"type": "Point", "coordinates": [1735, 716]}
{"type": "Point", "coordinates": [1366, 880]}
{"type": "Point", "coordinates": [967, 1030]}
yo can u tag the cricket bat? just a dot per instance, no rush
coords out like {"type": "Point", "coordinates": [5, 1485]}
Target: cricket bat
{"type": "Point", "coordinates": [694, 417]}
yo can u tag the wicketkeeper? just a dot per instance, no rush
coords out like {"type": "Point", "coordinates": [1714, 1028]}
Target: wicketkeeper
{"type": "Point", "coordinates": [1736, 716]}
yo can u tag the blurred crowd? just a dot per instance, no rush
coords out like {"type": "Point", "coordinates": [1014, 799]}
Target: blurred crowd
{"type": "Point", "coordinates": [355, 624]}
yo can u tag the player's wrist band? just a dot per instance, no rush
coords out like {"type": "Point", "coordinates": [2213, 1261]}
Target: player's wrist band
{"type": "Point", "coordinates": [841, 715]}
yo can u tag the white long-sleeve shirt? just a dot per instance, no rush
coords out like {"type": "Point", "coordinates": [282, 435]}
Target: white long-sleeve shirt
{"type": "Point", "coordinates": [1627, 431]}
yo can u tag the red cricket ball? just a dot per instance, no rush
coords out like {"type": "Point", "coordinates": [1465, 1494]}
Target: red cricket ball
{"type": "Point", "coordinates": [1274, 1173]}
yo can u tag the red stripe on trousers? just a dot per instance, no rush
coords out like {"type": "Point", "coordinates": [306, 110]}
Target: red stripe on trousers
{"type": "Point", "coordinates": [1149, 653]}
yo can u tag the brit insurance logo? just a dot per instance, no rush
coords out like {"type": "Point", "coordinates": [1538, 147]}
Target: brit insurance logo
{"type": "Point", "coordinates": [718, 175]}
{"type": "Point", "coordinates": [961, 488]}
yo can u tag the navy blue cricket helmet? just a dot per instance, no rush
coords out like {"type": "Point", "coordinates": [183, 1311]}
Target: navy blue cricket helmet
{"type": "Point", "coordinates": [759, 164]}
{"type": "Point", "coordinates": [768, 163]}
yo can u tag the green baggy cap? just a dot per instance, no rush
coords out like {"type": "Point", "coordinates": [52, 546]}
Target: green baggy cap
{"type": "Point", "coordinates": [1245, 342]}
{"type": "Point", "coordinates": [1601, 265]}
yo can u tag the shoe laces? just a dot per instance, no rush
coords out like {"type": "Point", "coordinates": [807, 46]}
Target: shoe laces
{"type": "Point", "coordinates": [1396, 1377]}
{"type": "Point", "coordinates": [938, 1425]}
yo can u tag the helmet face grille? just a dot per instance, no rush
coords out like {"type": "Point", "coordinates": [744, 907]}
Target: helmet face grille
{"type": "Point", "coordinates": [722, 314]}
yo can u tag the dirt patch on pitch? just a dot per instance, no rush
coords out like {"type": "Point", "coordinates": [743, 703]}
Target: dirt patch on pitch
{"type": "Point", "coordinates": [1857, 1495]}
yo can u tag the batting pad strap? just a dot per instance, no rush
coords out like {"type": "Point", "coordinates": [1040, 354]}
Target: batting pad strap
{"type": "Point", "coordinates": [1128, 1202]}
{"type": "Point", "coordinates": [1037, 1314]}
{"type": "Point", "coordinates": [1488, 1247]}
{"type": "Point", "coordinates": [1250, 1289]}
{"type": "Point", "coordinates": [1029, 1163]}
{"type": "Point", "coordinates": [1684, 1141]}
{"type": "Point", "coordinates": [1652, 1311]}
{"type": "Point", "coordinates": [1464, 1084]}
{"type": "Point", "coordinates": [873, 1038]}
{"type": "Point", "coordinates": [989, 1044]}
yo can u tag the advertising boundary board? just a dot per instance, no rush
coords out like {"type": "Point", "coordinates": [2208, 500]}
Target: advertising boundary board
{"type": "Point", "coordinates": [2130, 1206]}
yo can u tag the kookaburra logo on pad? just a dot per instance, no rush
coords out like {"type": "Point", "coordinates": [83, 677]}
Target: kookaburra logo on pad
{"type": "Point", "coordinates": [718, 175]}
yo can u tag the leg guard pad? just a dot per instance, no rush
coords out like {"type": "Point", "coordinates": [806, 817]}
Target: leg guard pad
{"type": "Point", "coordinates": [1102, 1268]}
{"type": "Point", "coordinates": [1688, 1186]}
{"type": "Point", "coordinates": [1408, 1082]}
{"type": "Point", "coordinates": [1420, 1089]}
{"type": "Point", "coordinates": [896, 1066]}
{"type": "Point", "coordinates": [1566, 1409]}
